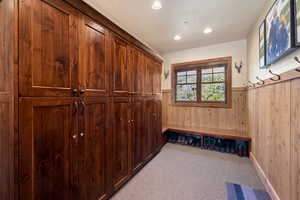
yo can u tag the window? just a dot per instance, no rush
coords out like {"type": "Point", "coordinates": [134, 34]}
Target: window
{"type": "Point", "coordinates": [203, 83]}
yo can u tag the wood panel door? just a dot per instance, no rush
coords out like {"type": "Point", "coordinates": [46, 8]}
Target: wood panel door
{"type": "Point", "coordinates": [91, 155]}
{"type": "Point", "coordinates": [158, 122]}
{"type": "Point", "coordinates": [149, 139]}
{"type": "Point", "coordinates": [132, 65]}
{"type": "Point", "coordinates": [121, 156]}
{"type": "Point", "coordinates": [137, 132]}
{"type": "Point", "coordinates": [48, 48]}
{"type": "Point", "coordinates": [149, 74]}
{"type": "Point", "coordinates": [119, 67]}
{"type": "Point", "coordinates": [95, 56]}
{"type": "Point", "coordinates": [47, 129]}
{"type": "Point", "coordinates": [157, 78]}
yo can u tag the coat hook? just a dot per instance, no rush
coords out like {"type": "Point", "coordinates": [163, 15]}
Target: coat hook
{"type": "Point", "coordinates": [261, 82]}
{"type": "Point", "coordinates": [251, 84]}
{"type": "Point", "coordinates": [278, 76]}
{"type": "Point", "coordinates": [297, 70]}
{"type": "Point", "coordinates": [297, 59]}
{"type": "Point", "coordinates": [239, 67]}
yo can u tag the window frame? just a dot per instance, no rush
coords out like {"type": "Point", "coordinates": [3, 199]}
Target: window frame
{"type": "Point", "coordinates": [202, 64]}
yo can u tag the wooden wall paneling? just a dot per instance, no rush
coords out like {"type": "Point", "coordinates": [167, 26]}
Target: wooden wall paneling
{"type": "Point", "coordinates": [295, 140]}
{"type": "Point", "coordinates": [270, 124]}
{"type": "Point", "coordinates": [47, 129]}
{"type": "Point", "coordinates": [48, 48]}
{"type": "Point", "coordinates": [119, 67]}
{"type": "Point", "coordinates": [252, 119]}
{"type": "Point", "coordinates": [94, 144]}
{"type": "Point", "coordinates": [94, 56]}
{"type": "Point", "coordinates": [234, 118]}
{"type": "Point", "coordinates": [121, 156]}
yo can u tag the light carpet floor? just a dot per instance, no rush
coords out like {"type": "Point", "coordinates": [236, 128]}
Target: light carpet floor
{"type": "Point", "coordinates": [188, 173]}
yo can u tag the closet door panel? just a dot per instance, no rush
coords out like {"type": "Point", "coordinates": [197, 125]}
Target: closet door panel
{"type": "Point", "coordinates": [94, 59]}
{"type": "Point", "coordinates": [47, 127]}
{"type": "Point", "coordinates": [120, 141]}
{"type": "Point", "coordinates": [93, 134]}
{"type": "Point", "coordinates": [137, 132]}
{"type": "Point", "coordinates": [120, 85]}
{"type": "Point", "coordinates": [48, 48]}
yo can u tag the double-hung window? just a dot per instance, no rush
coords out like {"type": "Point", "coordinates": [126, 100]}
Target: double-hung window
{"type": "Point", "coordinates": [203, 83]}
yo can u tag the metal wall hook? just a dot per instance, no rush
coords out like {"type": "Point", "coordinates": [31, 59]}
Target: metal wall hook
{"type": "Point", "coordinates": [251, 84]}
{"type": "Point", "coordinates": [297, 70]}
{"type": "Point", "coordinates": [278, 76]}
{"type": "Point", "coordinates": [297, 59]}
{"type": "Point", "coordinates": [261, 82]}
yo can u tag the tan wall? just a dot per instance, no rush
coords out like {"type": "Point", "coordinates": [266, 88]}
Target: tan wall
{"type": "Point", "coordinates": [234, 118]}
{"type": "Point", "coordinates": [274, 115]}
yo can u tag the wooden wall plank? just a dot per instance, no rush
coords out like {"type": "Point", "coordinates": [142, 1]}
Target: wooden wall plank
{"type": "Point", "coordinates": [234, 118]}
{"type": "Point", "coordinates": [295, 140]}
{"type": "Point", "coordinates": [270, 128]}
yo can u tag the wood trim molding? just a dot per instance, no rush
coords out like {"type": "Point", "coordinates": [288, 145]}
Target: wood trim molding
{"type": "Point", "coordinates": [100, 18]}
{"type": "Point", "coordinates": [286, 76]}
{"type": "Point", "coordinates": [270, 189]}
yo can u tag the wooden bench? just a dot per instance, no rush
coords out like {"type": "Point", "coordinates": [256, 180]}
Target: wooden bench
{"type": "Point", "coordinates": [212, 132]}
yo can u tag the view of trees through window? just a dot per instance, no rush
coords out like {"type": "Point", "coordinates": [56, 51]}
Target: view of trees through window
{"type": "Point", "coordinates": [204, 84]}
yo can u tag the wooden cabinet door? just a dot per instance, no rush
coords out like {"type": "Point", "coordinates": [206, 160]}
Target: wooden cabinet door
{"type": "Point", "coordinates": [157, 78]}
{"type": "Point", "coordinates": [92, 152]}
{"type": "Point", "coordinates": [141, 69]}
{"type": "Point", "coordinates": [137, 132]}
{"type": "Point", "coordinates": [119, 67]}
{"type": "Point", "coordinates": [95, 50]}
{"type": "Point", "coordinates": [132, 65]}
{"type": "Point", "coordinates": [120, 141]}
{"type": "Point", "coordinates": [158, 122]}
{"type": "Point", "coordinates": [149, 76]}
{"type": "Point", "coordinates": [48, 48]}
{"type": "Point", "coordinates": [149, 128]}
{"type": "Point", "coordinates": [47, 128]}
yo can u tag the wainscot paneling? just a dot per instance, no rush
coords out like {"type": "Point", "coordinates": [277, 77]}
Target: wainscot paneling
{"type": "Point", "coordinates": [274, 129]}
{"type": "Point", "coordinates": [234, 118]}
{"type": "Point", "coordinates": [295, 140]}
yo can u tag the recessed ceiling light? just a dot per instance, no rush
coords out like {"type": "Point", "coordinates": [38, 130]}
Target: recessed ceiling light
{"type": "Point", "coordinates": [156, 5]}
{"type": "Point", "coordinates": [177, 37]}
{"type": "Point", "coordinates": [207, 30]}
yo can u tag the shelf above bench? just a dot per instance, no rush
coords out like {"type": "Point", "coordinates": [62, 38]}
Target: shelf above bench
{"type": "Point", "coordinates": [219, 133]}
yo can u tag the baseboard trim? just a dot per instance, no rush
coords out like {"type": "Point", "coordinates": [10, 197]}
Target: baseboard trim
{"type": "Point", "coordinates": [264, 178]}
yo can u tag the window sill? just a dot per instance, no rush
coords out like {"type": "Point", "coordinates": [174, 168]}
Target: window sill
{"type": "Point", "coordinates": [205, 105]}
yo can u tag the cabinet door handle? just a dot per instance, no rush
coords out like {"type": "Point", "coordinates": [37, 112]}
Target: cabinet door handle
{"type": "Point", "coordinates": [74, 136]}
{"type": "Point", "coordinates": [83, 106]}
{"type": "Point", "coordinates": [81, 134]}
{"type": "Point", "coordinates": [82, 91]}
{"type": "Point", "coordinates": [75, 92]}
{"type": "Point", "coordinates": [76, 107]}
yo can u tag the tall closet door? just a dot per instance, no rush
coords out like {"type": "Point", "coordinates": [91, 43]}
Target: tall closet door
{"type": "Point", "coordinates": [47, 129]}
{"type": "Point", "coordinates": [149, 139]}
{"type": "Point", "coordinates": [149, 75]}
{"type": "Point", "coordinates": [120, 78]}
{"type": "Point", "coordinates": [137, 132]}
{"type": "Point", "coordinates": [121, 155]}
{"type": "Point", "coordinates": [92, 153]}
{"type": "Point", "coordinates": [132, 65]}
{"type": "Point", "coordinates": [48, 48]}
{"type": "Point", "coordinates": [95, 56]}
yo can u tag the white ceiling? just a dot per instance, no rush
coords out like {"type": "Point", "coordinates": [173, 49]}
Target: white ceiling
{"type": "Point", "coordinates": [230, 20]}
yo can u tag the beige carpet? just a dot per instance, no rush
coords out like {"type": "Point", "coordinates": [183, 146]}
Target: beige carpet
{"type": "Point", "coordinates": [188, 173]}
